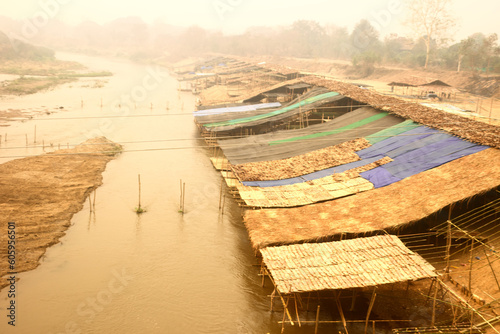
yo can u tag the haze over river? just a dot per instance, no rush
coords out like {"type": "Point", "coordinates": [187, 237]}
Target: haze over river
{"type": "Point", "coordinates": [115, 271]}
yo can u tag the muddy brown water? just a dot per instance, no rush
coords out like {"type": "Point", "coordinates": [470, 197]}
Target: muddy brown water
{"type": "Point", "coordinates": [114, 271]}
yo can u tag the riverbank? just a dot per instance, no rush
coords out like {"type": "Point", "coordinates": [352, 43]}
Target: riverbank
{"type": "Point", "coordinates": [40, 194]}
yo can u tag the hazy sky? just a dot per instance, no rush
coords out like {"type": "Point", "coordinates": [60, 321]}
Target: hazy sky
{"type": "Point", "coordinates": [234, 16]}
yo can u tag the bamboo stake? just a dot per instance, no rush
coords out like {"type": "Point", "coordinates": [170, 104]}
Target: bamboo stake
{"type": "Point", "coordinates": [492, 270]}
{"type": "Point", "coordinates": [34, 136]}
{"type": "Point", "coordinates": [354, 295]}
{"type": "Point", "coordinates": [272, 299]}
{"type": "Point", "coordinates": [284, 313]}
{"type": "Point", "coordinates": [433, 321]}
{"type": "Point", "coordinates": [374, 295]}
{"type": "Point", "coordinates": [448, 247]}
{"type": "Point", "coordinates": [139, 209]}
{"type": "Point", "coordinates": [297, 310]}
{"type": "Point", "coordinates": [220, 195]}
{"type": "Point", "coordinates": [470, 268]}
{"type": "Point", "coordinates": [26, 140]}
{"type": "Point", "coordinates": [317, 321]}
{"type": "Point", "coordinates": [339, 306]}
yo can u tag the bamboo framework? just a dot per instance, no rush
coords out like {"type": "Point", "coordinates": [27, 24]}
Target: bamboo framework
{"type": "Point", "coordinates": [300, 272]}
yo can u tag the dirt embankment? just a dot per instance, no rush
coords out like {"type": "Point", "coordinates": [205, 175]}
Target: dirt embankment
{"type": "Point", "coordinates": [41, 194]}
{"type": "Point", "coordinates": [485, 85]}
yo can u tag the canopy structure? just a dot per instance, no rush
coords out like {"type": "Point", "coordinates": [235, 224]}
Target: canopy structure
{"type": "Point", "coordinates": [415, 198]}
{"type": "Point", "coordinates": [346, 264]}
{"type": "Point", "coordinates": [303, 104]}
{"type": "Point", "coordinates": [361, 122]}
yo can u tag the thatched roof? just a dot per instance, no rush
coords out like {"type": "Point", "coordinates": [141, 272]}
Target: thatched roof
{"type": "Point", "coordinates": [301, 164]}
{"type": "Point", "coordinates": [322, 189]}
{"type": "Point", "coordinates": [466, 128]}
{"type": "Point", "coordinates": [411, 81]}
{"type": "Point", "coordinates": [214, 95]}
{"type": "Point", "coordinates": [348, 264]}
{"type": "Point", "coordinates": [390, 207]}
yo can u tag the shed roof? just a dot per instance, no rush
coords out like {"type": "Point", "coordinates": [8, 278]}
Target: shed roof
{"type": "Point", "coordinates": [415, 198]}
{"type": "Point", "coordinates": [347, 264]}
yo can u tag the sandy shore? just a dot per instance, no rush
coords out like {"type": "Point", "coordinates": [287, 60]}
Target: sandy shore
{"type": "Point", "coordinates": [41, 194]}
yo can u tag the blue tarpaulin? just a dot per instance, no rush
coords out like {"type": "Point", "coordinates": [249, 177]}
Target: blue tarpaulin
{"type": "Point", "coordinates": [414, 157]}
{"type": "Point", "coordinates": [250, 107]}
{"type": "Point", "coordinates": [312, 176]}
{"type": "Point", "coordinates": [413, 152]}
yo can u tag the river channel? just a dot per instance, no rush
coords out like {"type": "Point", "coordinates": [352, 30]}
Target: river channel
{"type": "Point", "coordinates": [115, 271]}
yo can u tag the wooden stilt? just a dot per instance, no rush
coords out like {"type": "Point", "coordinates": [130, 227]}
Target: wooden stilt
{"type": "Point", "coordinates": [263, 274]}
{"type": "Point", "coordinates": [272, 299]}
{"type": "Point", "coordinates": [430, 289]}
{"type": "Point", "coordinates": [433, 320]}
{"type": "Point", "coordinates": [297, 310]}
{"type": "Point", "coordinates": [354, 295]}
{"type": "Point", "coordinates": [341, 312]}
{"type": "Point", "coordinates": [285, 311]}
{"type": "Point", "coordinates": [317, 321]}
{"type": "Point", "coordinates": [308, 299]}
{"type": "Point", "coordinates": [372, 301]}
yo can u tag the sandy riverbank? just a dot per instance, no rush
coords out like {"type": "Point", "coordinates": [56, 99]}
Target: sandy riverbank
{"type": "Point", "coordinates": [42, 193]}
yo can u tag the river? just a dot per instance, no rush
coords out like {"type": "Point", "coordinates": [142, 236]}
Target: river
{"type": "Point", "coordinates": [115, 271]}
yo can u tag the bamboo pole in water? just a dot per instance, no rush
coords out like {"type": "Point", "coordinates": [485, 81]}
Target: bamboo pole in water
{"type": "Point", "coordinates": [139, 179]}
{"type": "Point", "coordinates": [317, 321]}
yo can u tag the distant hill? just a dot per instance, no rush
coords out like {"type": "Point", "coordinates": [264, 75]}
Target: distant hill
{"type": "Point", "coordinates": [14, 49]}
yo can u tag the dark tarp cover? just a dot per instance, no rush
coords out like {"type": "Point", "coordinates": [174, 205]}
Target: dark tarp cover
{"type": "Point", "coordinates": [307, 102]}
{"type": "Point", "coordinates": [257, 148]}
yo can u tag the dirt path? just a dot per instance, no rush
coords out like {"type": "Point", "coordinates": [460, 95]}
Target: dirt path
{"type": "Point", "coordinates": [41, 194]}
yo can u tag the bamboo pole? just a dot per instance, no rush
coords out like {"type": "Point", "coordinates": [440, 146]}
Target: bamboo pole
{"type": "Point", "coordinates": [285, 311]}
{"type": "Point", "coordinates": [433, 320]}
{"type": "Point", "coordinates": [272, 299]}
{"type": "Point", "coordinates": [372, 301]}
{"type": "Point", "coordinates": [470, 267]}
{"type": "Point", "coordinates": [297, 309]}
{"type": "Point", "coordinates": [317, 321]}
{"type": "Point", "coordinates": [354, 295]}
{"type": "Point", "coordinates": [463, 301]}
{"type": "Point", "coordinates": [341, 312]}
{"type": "Point", "coordinates": [221, 191]}
{"type": "Point", "coordinates": [34, 136]}
{"type": "Point", "coordinates": [26, 139]}
{"type": "Point", "coordinates": [448, 247]}
{"type": "Point", "coordinates": [139, 209]}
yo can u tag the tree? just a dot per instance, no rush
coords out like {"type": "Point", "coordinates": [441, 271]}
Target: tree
{"type": "Point", "coordinates": [430, 20]}
{"type": "Point", "coordinates": [364, 37]}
